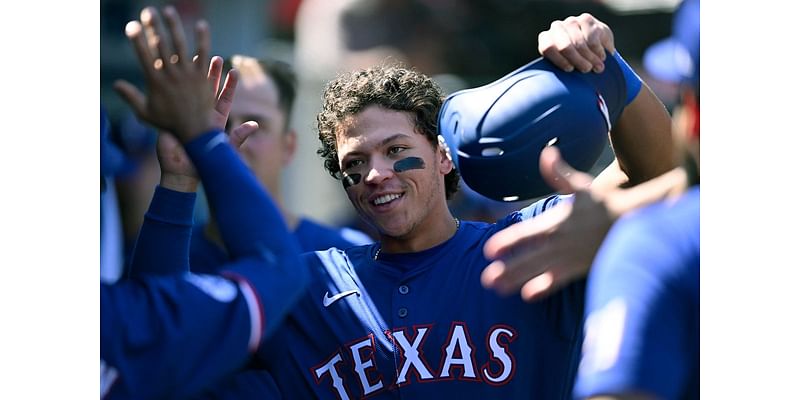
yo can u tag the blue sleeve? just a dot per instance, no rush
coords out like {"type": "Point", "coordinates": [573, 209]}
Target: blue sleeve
{"type": "Point", "coordinates": [169, 337]}
{"type": "Point", "coordinates": [162, 247]}
{"type": "Point", "coordinates": [206, 257]}
{"type": "Point", "coordinates": [250, 225]}
{"type": "Point", "coordinates": [633, 83]}
{"type": "Point", "coordinates": [248, 219]}
{"type": "Point", "coordinates": [542, 205]}
{"type": "Point", "coordinates": [642, 327]}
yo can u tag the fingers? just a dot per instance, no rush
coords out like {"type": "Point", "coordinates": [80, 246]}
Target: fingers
{"type": "Point", "coordinates": [551, 44]}
{"type": "Point", "coordinates": [203, 38]}
{"type": "Point", "coordinates": [225, 99]}
{"type": "Point", "coordinates": [600, 36]}
{"type": "Point", "coordinates": [538, 287]}
{"type": "Point", "coordinates": [241, 132]}
{"type": "Point", "coordinates": [560, 175]}
{"type": "Point", "coordinates": [132, 96]}
{"type": "Point", "coordinates": [506, 278]}
{"type": "Point", "coordinates": [583, 58]}
{"type": "Point", "coordinates": [176, 30]}
{"type": "Point", "coordinates": [564, 41]}
{"type": "Point", "coordinates": [158, 42]}
{"type": "Point", "coordinates": [135, 33]}
{"type": "Point", "coordinates": [577, 42]}
{"type": "Point", "coordinates": [215, 74]}
{"type": "Point", "coordinates": [546, 283]}
{"type": "Point", "coordinates": [518, 237]}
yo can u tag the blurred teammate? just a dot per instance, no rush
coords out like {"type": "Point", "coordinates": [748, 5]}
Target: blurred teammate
{"type": "Point", "coordinates": [170, 336]}
{"type": "Point", "coordinates": [643, 301]}
{"type": "Point", "coordinates": [642, 325]}
{"type": "Point", "coordinates": [265, 94]}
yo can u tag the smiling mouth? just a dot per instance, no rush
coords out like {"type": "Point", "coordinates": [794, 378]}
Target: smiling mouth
{"type": "Point", "coordinates": [386, 199]}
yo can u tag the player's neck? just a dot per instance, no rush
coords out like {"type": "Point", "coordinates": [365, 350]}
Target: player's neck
{"type": "Point", "coordinates": [429, 233]}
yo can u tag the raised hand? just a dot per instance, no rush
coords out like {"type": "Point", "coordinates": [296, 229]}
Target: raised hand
{"type": "Point", "coordinates": [577, 43]}
{"type": "Point", "coordinates": [179, 98]}
{"type": "Point", "coordinates": [539, 255]}
{"type": "Point", "coordinates": [177, 171]}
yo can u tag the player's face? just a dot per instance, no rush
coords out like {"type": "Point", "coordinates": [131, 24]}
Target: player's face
{"type": "Point", "coordinates": [370, 144]}
{"type": "Point", "coordinates": [267, 150]}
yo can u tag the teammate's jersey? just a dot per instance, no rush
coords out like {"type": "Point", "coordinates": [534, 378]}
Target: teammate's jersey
{"type": "Point", "coordinates": [166, 333]}
{"type": "Point", "coordinates": [643, 305]}
{"type": "Point", "coordinates": [168, 337]}
{"type": "Point", "coordinates": [420, 325]}
{"type": "Point", "coordinates": [206, 256]}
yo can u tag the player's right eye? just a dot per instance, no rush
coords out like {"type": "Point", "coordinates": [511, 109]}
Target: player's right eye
{"type": "Point", "coordinates": [351, 164]}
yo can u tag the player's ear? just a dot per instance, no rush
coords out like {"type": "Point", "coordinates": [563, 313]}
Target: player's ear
{"type": "Point", "coordinates": [444, 159]}
{"type": "Point", "coordinates": [289, 141]}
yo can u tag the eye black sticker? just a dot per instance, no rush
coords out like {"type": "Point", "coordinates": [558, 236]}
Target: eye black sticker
{"type": "Point", "coordinates": [409, 163]}
{"type": "Point", "coordinates": [350, 180]}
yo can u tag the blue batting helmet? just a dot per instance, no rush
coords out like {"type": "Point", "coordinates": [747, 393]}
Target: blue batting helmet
{"type": "Point", "coordinates": [495, 132]}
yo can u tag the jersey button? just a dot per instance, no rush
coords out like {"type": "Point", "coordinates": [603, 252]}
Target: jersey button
{"type": "Point", "coordinates": [402, 312]}
{"type": "Point", "coordinates": [403, 289]}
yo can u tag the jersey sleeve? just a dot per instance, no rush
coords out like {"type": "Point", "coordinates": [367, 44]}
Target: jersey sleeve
{"type": "Point", "coordinates": [162, 247]}
{"type": "Point", "coordinates": [248, 219]}
{"type": "Point", "coordinates": [168, 337]}
{"type": "Point", "coordinates": [541, 206]}
{"type": "Point", "coordinates": [206, 257]}
{"type": "Point", "coordinates": [250, 225]}
{"type": "Point", "coordinates": [640, 324]}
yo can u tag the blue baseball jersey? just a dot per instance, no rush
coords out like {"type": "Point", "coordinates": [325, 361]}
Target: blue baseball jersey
{"type": "Point", "coordinates": [206, 256]}
{"type": "Point", "coordinates": [420, 325]}
{"type": "Point", "coordinates": [389, 327]}
{"type": "Point", "coordinates": [169, 337]}
{"type": "Point", "coordinates": [643, 305]}
{"type": "Point", "coordinates": [168, 333]}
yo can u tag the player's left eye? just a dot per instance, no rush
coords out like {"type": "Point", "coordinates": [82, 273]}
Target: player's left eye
{"type": "Point", "coordinates": [396, 149]}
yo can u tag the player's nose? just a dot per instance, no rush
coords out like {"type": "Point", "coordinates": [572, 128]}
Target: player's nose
{"type": "Point", "coordinates": [379, 171]}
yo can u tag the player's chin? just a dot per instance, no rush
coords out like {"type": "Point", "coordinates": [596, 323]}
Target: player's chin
{"type": "Point", "coordinates": [388, 226]}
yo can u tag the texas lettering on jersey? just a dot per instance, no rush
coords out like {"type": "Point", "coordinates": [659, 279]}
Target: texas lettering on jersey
{"type": "Point", "coordinates": [355, 362]}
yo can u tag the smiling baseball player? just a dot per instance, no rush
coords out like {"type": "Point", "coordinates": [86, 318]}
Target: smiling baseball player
{"type": "Point", "coordinates": [407, 316]}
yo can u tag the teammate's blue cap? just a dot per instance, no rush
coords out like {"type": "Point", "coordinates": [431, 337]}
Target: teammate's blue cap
{"type": "Point", "coordinates": [496, 132]}
{"type": "Point", "coordinates": [677, 58]}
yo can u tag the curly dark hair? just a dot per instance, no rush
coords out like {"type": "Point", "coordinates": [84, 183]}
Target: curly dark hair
{"type": "Point", "coordinates": [393, 87]}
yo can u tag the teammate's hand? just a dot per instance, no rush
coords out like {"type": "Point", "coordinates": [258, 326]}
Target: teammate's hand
{"type": "Point", "coordinates": [179, 99]}
{"type": "Point", "coordinates": [177, 171]}
{"type": "Point", "coordinates": [577, 43]}
{"type": "Point", "coordinates": [542, 254]}
{"type": "Point", "coordinates": [539, 255]}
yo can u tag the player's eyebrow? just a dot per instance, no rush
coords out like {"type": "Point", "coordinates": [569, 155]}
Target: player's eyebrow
{"type": "Point", "coordinates": [382, 143]}
{"type": "Point", "coordinates": [392, 138]}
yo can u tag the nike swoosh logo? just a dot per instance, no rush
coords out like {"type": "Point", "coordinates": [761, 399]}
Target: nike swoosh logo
{"type": "Point", "coordinates": [328, 299]}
